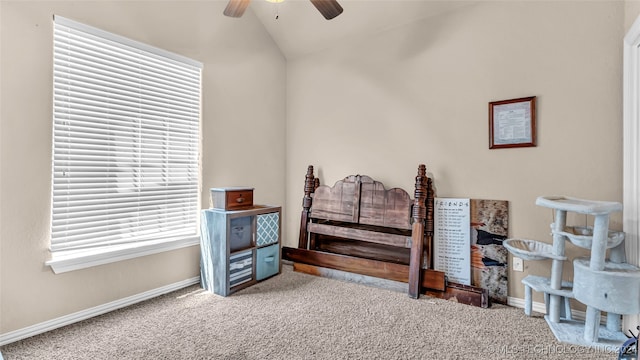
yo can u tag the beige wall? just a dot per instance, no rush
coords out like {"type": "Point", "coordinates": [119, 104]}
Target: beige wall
{"type": "Point", "coordinates": [379, 106]}
{"type": "Point", "coordinates": [419, 94]}
{"type": "Point", "coordinates": [631, 12]}
{"type": "Point", "coordinates": [243, 140]}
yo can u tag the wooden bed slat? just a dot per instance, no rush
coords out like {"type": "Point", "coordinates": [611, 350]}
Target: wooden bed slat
{"type": "Point", "coordinates": [431, 279]}
{"type": "Point", "coordinates": [370, 251]}
{"type": "Point", "coordinates": [463, 294]}
{"type": "Point", "coordinates": [360, 234]}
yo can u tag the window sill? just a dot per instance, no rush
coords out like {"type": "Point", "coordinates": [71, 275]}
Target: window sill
{"type": "Point", "coordinates": [65, 261]}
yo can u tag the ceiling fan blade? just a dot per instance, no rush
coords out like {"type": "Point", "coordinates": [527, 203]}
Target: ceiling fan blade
{"type": "Point", "coordinates": [235, 8]}
{"type": "Point", "coordinates": [328, 8]}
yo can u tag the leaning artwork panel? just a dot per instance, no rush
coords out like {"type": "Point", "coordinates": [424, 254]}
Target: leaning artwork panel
{"type": "Point", "coordinates": [489, 228]}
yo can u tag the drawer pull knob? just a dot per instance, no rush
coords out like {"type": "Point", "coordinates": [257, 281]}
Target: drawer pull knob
{"type": "Point", "coordinates": [240, 200]}
{"type": "Point", "coordinates": [269, 259]}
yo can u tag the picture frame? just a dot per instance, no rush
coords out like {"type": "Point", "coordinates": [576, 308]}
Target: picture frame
{"type": "Point", "coordinates": [512, 123]}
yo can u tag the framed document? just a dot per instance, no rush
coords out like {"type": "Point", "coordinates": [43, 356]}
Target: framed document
{"type": "Point", "coordinates": [512, 123]}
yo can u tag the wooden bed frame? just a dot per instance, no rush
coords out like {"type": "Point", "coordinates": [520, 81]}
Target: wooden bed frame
{"type": "Point", "coordinates": [359, 227]}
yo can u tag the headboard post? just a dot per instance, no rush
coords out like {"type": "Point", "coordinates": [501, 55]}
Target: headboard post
{"type": "Point", "coordinates": [430, 227]}
{"type": "Point", "coordinates": [310, 185]}
{"type": "Point", "coordinates": [419, 213]}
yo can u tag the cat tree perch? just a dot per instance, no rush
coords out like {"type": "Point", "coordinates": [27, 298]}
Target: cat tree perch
{"type": "Point", "coordinates": [603, 284]}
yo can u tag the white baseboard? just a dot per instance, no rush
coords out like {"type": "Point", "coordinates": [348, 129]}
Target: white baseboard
{"type": "Point", "coordinates": [49, 325]}
{"type": "Point", "coordinates": [541, 308]}
{"type": "Point", "coordinates": [519, 303]}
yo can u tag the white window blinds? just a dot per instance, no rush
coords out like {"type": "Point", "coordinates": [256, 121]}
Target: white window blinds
{"type": "Point", "coordinates": [125, 140]}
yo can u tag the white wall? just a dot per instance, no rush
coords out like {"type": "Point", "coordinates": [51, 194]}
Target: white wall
{"type": "Point", "coordinates": [243, 140]}
{"type": "Point", "coordinates": [419, 93]}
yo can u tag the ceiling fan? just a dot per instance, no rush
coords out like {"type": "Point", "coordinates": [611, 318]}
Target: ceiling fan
{"type": "Point", "coordinates": [328, 8]}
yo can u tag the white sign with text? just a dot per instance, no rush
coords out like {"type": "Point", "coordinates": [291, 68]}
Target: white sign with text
{"type": "Point", "coordinates": [452, 239]}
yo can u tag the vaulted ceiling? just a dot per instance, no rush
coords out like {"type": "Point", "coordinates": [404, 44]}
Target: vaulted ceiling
{"type": "Point", "coordinates": [300, 29]}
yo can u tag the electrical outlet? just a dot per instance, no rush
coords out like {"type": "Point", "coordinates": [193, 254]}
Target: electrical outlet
{"type": "Point", "coordinates": [518, 264]}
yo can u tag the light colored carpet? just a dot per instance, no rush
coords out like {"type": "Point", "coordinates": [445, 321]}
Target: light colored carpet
{"type": "Point", "coordinates": [299, 316]}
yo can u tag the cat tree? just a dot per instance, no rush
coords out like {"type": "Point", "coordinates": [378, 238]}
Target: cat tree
{"type": "Point", "coordinates": [603, 284]}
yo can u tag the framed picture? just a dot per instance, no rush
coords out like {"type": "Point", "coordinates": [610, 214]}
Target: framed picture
{"type": "Point", "coordinates": [512, 123]}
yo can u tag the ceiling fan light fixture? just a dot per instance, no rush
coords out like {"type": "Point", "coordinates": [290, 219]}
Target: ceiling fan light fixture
{"type": "Point", "coordinates": [328, 8]}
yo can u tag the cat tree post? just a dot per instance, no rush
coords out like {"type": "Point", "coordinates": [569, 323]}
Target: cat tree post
{"type": "Point", "coordinates": [596, 263]}
{"type": "Point", "coordinates": [555, 301]}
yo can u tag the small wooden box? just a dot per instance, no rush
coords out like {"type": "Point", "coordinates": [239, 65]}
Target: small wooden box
{"type": "Point", "coordinates": [232, 198]}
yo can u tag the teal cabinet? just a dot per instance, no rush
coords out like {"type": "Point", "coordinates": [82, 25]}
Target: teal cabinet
{"type": "Point", "coordinates": [239, 248]}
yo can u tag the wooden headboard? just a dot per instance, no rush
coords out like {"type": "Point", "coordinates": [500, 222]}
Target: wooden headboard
{"type": "Point", "coordinates": [358, 217]}
{"type": "Point", "coordinates": [359, 199]}
{"type": "Point", "coordinates": [358, 226]}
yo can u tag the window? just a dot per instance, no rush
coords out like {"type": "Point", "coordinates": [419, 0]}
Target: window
{"type": "Point", "coordinates": [126, 138]}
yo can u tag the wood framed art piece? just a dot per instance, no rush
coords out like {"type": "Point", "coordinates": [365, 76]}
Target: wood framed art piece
{"type": "Point", "coordinates": [512, 123]}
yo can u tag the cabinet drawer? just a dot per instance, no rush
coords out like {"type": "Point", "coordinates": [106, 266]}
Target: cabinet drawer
{"type": "Point", "coordinates": [240, 268]}
{"type": "Point", "coordinates": [240, 233]}
{"type": "Point", "coordinates": [232, 198]}
{"type": "Point", "coordinates": [267, 261]}
{"type": "Point", "coordinates": [239, 199]}
{"type": "Point", "coordinates": [268, 229]}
